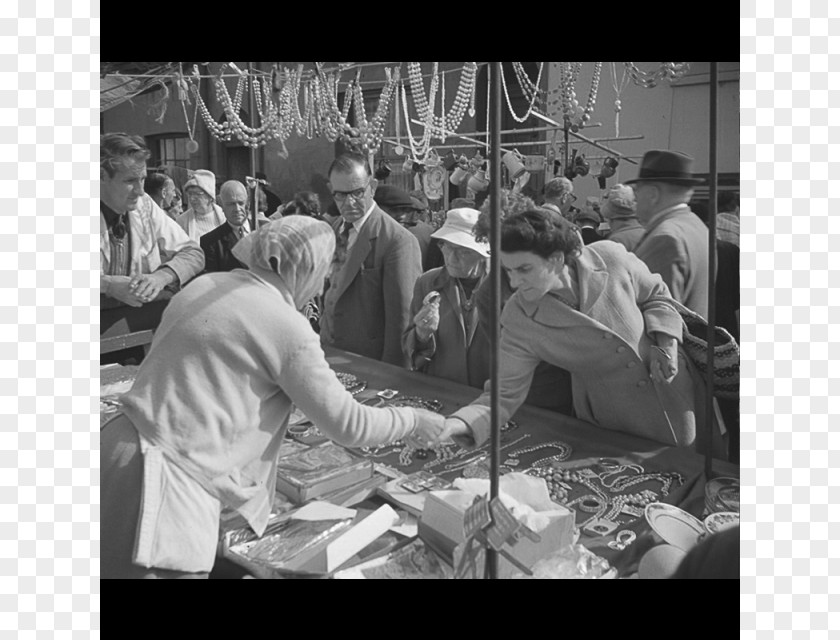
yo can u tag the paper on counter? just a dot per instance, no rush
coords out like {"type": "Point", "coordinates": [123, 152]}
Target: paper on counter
{"type": "Point", "coordinates": [360, 536]}
{"type": "Point", "coordinates": [320, 510]}
{"type": "Point", "coordinates": [406, 528]}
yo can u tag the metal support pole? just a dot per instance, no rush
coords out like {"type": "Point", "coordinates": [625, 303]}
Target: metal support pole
{"type": "Point", "coordinates": [253, 107]}
{"type": "Point", "coordinates": [495, 288]}
{"type": "Point", "coordinates": [713, 185]}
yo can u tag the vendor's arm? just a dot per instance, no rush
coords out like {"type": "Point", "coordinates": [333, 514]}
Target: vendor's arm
{"type": "Point", "coordinates": [313, 387]}
{"type": "Point", "coordinates": [516, 370]}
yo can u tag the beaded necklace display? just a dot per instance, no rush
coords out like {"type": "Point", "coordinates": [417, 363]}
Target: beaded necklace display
{"type": "Point", "coordinates": [528, 87]}
{"type": "Point", "coordinates": [368, 135]}
{"type": "Point", "coordinates": [575, 115]}
{"type": "Point", "coordinates": [618, 86]}
{"type": "Point", "coordinates": [649, 79]}
{"type": "Point", "coordinates": [419, 150]}
{"type": "Point", "coordinates": [531, 101]}
{"type": "Point", "coordinates": [606, 497]}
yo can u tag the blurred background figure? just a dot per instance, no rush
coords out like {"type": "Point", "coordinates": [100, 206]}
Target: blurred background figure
{"type": "Point", "coordinates": [407, 210]}
{"type": "Point", "coordinates": [558, 195]}
{"type": "Point", "coordinates": [176, 208]}
{"type": "Point", "coordinates": [161, 189]}
{"type": "Point", "coordinates": [728, 222]}
{"type": "Point", "coordinates": [268, 201]}
{"type": "Point", "coordinates": [589, 219]}
{"type": "Point", "coordinates": [620, 210]}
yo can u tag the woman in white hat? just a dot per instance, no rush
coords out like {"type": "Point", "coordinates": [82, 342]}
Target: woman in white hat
{"type": "Point", "coordinates": [445, 338]}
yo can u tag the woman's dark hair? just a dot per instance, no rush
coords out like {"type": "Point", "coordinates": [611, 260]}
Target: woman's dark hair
{"type": "Point", "coordinates": [537, 231]}
{"type": "Point", "coordinates": [308, 204]}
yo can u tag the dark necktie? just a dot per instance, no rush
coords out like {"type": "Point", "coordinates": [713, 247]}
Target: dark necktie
{"type": "Point", "coordinates": [119, 227]}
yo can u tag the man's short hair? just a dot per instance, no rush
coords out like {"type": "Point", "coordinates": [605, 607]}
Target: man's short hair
{"type": "Point", "coordinates": [558, 187]}
{"type": "Point", "coordinates": [347, 163]}
{"type": "Point", "coordinates": [727, 201]}
{"type": "Point", "coordinates": [116, 149]}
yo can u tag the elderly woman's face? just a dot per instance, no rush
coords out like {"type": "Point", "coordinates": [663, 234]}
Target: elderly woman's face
{"type": "Point", "coordinates": [462, 262]}
{"type": "Point", "coordinates": [199, 201]}
{"type": "Point", "coordinates": [533, 276]}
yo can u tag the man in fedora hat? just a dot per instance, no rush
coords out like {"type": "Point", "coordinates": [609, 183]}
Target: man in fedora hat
{"type": "Point", "coordinates": [676, 243]}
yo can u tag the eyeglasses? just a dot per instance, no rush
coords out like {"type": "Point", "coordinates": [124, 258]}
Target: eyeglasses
{"type": "Point", "coordinates": [356, 194]}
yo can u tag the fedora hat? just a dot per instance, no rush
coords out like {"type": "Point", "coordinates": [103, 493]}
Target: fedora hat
{"type": "Point", "coordinates": [666, 166]}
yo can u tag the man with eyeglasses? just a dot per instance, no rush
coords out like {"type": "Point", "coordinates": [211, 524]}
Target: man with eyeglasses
{"type": "Point", "coordinates": [377, 261]}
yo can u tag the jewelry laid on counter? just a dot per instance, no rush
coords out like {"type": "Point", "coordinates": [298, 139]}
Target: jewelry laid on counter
{"type": "Point", "coordinates": [601, 486]}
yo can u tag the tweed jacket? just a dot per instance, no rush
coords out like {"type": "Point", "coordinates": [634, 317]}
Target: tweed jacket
{"type": "Point", "coordinates": [626, 231]}
{"type": "Point", "coordinates": [457, 351]}
{"type": "Point", "coordinates": [367, 304]}
{"type": "Point", "coordinates": [676, 247]}
{"type": "Point", "coordinates": [605, 346]}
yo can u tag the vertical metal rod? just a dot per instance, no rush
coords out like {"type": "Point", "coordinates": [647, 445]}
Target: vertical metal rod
{"type": "Point", "coordinates": [713, 185]}
{"type": "Point", "coordinates": [252, 101]}
{"type": "Point", "coordinates": [495, 287]}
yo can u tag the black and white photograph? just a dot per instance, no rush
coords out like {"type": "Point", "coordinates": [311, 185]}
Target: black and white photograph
{"type": "Point", "coordinates": [420, 320]}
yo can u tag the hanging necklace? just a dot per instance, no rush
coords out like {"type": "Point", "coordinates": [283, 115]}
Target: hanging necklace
{"type": "Point", "coordinates": [618, 86]}
{"type": "Point", "coordinates": [531, 103]}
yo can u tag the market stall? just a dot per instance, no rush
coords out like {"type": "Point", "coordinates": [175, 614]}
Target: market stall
{"type": "Point", "coordinates": [598, 475]}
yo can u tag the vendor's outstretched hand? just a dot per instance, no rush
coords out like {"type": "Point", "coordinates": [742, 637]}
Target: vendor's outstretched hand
{"type": "Point", "coordinates": [429, 430]}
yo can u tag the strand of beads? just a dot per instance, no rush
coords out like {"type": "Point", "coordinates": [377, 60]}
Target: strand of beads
{"type": "Point", "coordinates": [450, 120]}
{"type": "Point", "coordinates": [528, 87]}
{"type": "Point", "coordinates": [568, 78]}
{"type": "Point", "coordinates": [649, 79]}
{"type": "Point", "coordinates": [565, 452]}
{"type": "Point", "coordinates": [586, 115]}
{"type": "Point", "coordinates": [531, 102]}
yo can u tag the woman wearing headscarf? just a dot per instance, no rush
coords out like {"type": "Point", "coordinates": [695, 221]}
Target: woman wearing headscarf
{"type": "Point", "coordinates": [445, 339]}
{"type": "Point", "coordinates": [202, 425]}
{"type": "Point", "coordinates": [599, 312]}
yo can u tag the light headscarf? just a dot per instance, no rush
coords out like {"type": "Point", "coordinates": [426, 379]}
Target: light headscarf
{"type": "Point", "coordinates": [296, 249]}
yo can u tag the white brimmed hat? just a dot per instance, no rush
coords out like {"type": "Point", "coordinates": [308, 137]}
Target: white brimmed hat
{"type": "Point", "coordinates": [458, 229]}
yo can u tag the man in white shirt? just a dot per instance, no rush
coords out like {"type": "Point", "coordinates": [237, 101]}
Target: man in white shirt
{"type": "Point", "coordinates": [377, 261]}
{"type": "Point", "coordinates": [141, 250]}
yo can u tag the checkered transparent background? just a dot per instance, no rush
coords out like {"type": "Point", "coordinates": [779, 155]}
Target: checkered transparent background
{"type": "Point", "coordinates": [49, 534]}
{"type": "Point", "coordinates": [49, 439]}
{"type": "Point", "coordinates": [788, 225]}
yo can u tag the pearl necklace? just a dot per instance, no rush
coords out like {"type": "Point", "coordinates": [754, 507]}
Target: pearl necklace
{"type": "Point", "coordinates": [649, 79]}
{"type": "Point", "coordinates": [531, 103]}
{"type": "Point", "coordinates": [618, 86]}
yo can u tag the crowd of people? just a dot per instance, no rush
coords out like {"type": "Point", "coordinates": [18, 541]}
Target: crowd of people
{"type": "Point", "coordinates": [588, 327]}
